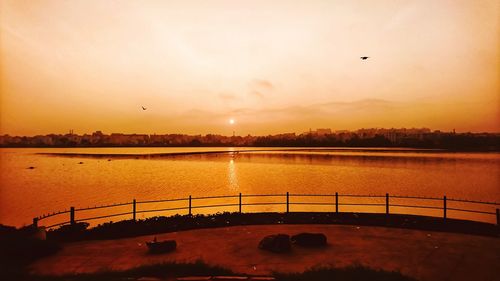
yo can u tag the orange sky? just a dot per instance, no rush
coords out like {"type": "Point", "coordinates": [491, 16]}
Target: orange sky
{"type": "Point", "coordinates": [284, 66]}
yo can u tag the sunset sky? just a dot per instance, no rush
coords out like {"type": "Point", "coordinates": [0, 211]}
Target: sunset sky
{"type": "Point", "coordinates": [271, 66]}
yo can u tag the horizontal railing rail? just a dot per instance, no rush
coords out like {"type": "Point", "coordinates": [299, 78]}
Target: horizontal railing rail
{"type": "Point", "coordinates": [161, 210]}
{"type": "Point", "coordinates": [53, 214]}
{"type": "Point", "coordinates": [438, 203]}
{"type": "Point", "coordinates": [162, 200]}
{"type": "Point", "coordinates": [103, 206]}
{"type": "Point", "coordinates": [417, 197]}
{"type": "Point", "coordinates": [215, 197]}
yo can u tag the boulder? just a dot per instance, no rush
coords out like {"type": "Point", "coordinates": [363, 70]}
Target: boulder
{"type": "Point", "coordinates": [279, 243]}
{"type": "Point", "coordinates": [159, 247]}
{"type": "Point", "coordinates": [313, 240]}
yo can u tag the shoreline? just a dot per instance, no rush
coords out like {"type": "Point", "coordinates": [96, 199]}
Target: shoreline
{"type": "Point", "coordinates": [287, 147]}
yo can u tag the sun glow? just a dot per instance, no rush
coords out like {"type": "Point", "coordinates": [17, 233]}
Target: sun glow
{"type": "Point", "coordinates": [231, 121]}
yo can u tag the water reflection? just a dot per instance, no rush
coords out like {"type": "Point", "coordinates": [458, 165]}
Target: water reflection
{"type": "Point", "coordinates": [60, 182]}
{"type": "Point", "coordinates": [232, 176]}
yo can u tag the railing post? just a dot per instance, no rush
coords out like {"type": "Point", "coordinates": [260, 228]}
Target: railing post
{"type": "Point", "coordinates": [498, 217]}
{"type": "Point", "coordinates": [444, 207]}
{"type": "Point", "coordinates": [134, 203]}
{"type": "Point", "coordinates": [189, 204]}
{"type": "Point", "coordinates": [287, 202]}
{"type": "Point", "coordinates": [387, 203]}
{"type": "Point", "coordinates": [336, 202]}
{"type": "Point", "coordinates": [35, 220]}
{"type": "Point", "coordinates": [240, 202]}
{"type": "Point", "coordinates": [72, 215]}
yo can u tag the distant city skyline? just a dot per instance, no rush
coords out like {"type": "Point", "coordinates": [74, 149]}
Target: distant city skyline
{"type": "Point", "coordinates": [369, 137]}
{"type": "Point", "coordinates": [182, 66]}
{"type": "Point", "coordinates": [235, 133]}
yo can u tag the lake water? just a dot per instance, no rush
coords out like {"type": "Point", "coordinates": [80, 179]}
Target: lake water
{"type": "Point", "coordinates": [114, 175]}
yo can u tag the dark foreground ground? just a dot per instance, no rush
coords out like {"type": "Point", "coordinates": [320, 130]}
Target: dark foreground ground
{"type": "Point", "coordinates": [423, 255]}
{"type": "Point", "coordinates": [429, 248]}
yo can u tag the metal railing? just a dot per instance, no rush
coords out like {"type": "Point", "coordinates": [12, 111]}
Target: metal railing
{"type": "Point", "coordinates": [333, 201]}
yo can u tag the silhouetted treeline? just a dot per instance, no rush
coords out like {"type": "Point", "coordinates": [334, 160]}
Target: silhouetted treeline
{"type": "Point", "coordinates": [450, 141]}
{"type": "Point", "coordinates": [411, 138]}
{"type": "Point", "coordinates": [306, 140]}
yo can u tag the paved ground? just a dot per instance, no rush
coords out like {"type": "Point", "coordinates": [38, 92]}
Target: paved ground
{"type": "Point", "coordinates": [422, 254]}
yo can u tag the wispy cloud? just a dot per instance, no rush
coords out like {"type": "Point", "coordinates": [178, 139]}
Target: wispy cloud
{"type": "Point", "coordinates": [335, 114]}
{"type": "Point", "coordinates": [320, 110]}
{"type": "Point", "coordinates": [262, 84]}
{"type": "Point", "coordinates": [227, 96]}
{"type": "Point", "coordinates": [260, 88]}
{"type": "Point", "coordinates": [257, 94]}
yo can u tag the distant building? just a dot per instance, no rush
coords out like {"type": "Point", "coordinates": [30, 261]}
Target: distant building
{"type": "Point", "coordinates": [323, 132]}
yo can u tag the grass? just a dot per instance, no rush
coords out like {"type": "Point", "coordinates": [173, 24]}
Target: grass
{"type": "Point", "coordinates": [171, 270]}
{"type": "Point", "coordinates": [163, 270]}
{"type": "Point", "coordinates": [351, 273]}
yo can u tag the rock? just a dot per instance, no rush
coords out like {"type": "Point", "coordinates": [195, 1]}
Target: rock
{"type": "Point", "coordinates": [159, 247]}
{"type": "Point", "coordinates": [279, 243]}
{"type": "Point", "coordinates": [305, 239]}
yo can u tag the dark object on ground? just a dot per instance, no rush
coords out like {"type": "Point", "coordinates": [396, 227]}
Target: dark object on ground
{"type": "Point", "coordinates": [279, 243]}
{"type": "Point", "coordinates": [160, 247]}
{"type": "Point", "coordinates": [313, 240]}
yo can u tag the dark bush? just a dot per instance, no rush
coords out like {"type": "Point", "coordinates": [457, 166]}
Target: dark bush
{"type": "Point", "coordinates": [19, 247]}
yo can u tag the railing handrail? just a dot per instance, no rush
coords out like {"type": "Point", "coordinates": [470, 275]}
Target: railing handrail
{"type": "Point", "coordinates": [335, 203]}
{"type": "Point", "coordinates": [103, 206]}
{"type": "Point", "coordinates": [162, 200]}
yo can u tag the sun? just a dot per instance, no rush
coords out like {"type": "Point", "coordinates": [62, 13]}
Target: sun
{"type": "Point", "coordinates": [231, 121]}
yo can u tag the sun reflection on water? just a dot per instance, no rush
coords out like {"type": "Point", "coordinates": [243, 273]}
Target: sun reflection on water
{"type": "Point", "coordinates": [232, 177]}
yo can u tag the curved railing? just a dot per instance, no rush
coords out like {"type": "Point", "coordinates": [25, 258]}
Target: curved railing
{"type": "Point", "coordinates": [334, 201]}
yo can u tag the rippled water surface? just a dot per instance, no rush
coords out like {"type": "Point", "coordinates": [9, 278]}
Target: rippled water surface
{"type": "Point", "coordinates": [94, 176]}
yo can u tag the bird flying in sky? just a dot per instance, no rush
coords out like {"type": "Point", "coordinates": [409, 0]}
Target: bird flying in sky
{"type": "Point", "coordinates": [364, 58]}
{"type": "Point", "coordinates": [143, 108]}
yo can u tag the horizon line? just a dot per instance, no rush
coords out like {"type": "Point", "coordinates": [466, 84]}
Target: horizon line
{"type": "Point", "coordinates": [71, 132]}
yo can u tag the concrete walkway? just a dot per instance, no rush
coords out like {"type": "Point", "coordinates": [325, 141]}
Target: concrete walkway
{"type": "Point", "coordinates": [421, 254]}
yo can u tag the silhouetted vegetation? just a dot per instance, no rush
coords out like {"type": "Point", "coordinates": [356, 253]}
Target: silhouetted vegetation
{"type": "Point", "coordinates": [130, 228]}
{"type": "Point", "coordinates": [447, 141]}
{"type": "Point", "coordinates": [352, 273]}
{"type": "Point", "coordinates": [163, 270]}
{"type": "Point", "coordinates": [199, 268]}
{"type": "Point", "coordinates": [374, 137]}
{"type": "Point", "coordinates": [19, 247]}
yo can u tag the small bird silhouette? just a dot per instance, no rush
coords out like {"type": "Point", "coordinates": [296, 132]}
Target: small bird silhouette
{"type": "Point", "coordinates": [143, 108]}
{"type": "Point", "coordinates": [364, 58]}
